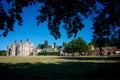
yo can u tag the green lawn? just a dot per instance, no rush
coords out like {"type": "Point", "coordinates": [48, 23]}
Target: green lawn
{"type": "Point", "coordinates": [60, 68]}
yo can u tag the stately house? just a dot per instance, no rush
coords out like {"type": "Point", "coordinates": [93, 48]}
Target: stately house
{"type": "Point", "coordinates": [20, 49]}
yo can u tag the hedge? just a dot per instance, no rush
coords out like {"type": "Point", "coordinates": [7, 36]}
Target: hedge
{"type": "Point", "coordinates": [48, 53]}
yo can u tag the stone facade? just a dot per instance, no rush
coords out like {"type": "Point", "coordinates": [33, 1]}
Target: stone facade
{"type": "Point", "coordinates": [20, 49]}
{"type": "Point", "coordinates": [106, 50]}
{"type": "Point", "coordinates": [109, 50]}
{"type": "Point", "coordinates": [92, 47]}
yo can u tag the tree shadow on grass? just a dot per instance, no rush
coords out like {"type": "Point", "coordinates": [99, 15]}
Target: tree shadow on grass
{"type": "Point", "coordinates": [61, 71]}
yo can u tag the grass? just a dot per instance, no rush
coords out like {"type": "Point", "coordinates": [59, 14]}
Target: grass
{"type": "Point", "coordinates": [60, 68]}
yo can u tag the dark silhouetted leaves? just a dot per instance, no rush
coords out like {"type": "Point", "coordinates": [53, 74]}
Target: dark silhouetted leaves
{"type": "Point", "coordinates": [57, 12]}
{"type": "Point", "coordinates": [68, 14]}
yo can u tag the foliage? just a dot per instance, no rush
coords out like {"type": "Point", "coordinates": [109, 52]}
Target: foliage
{"type": "Point", "coordinates": [76, 45]}
{"type": "Point", "coordinates": [114, 42]}
{"type": "Point", "coordinates": [107, 23]}
{"type": "Point", "coordinates": [59, 47]}
{"type": "Point", "coordinates": [64, 43]}
{"type": "Point", "coordinates": [45, 45]}
{"type": "Point", "coordinates": [3, 53]}
{"type": "Point", "coordinates": [93, 43]}
{"type": "Point", "coordinates": [40, 46]}
{"type": "Point", "coordinates": [55, 45]}
{"type": "Point", "coordinates": [31, 54]}
{"type": "Point", "coordinates": [47, 53]}
{"type": "Point", "coordinates": [70, 13]}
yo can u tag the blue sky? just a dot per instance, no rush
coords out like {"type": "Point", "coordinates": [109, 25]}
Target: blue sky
{"type": "Point", "coordinates": [38, 34]}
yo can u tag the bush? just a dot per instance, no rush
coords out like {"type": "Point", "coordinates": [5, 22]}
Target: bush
{"type": "Point", "coordinates": [3, 53]}
{"type": "Point", "coordinates": [31, 54]}
{"type": "Point", "coordinates": [47, 53]}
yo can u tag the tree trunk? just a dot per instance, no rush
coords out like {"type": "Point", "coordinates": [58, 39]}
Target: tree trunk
{"type": "Point", "coordinates": [100, 44]}
{"type": "Point", "coordinates": [100, 50]}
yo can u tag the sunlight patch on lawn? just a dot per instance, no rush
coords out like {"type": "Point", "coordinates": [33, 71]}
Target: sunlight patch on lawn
{"type": "Point", "coordinates": [53, 59]}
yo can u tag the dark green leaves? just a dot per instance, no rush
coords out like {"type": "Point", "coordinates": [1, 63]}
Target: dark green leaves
{"type": "Point", "coordinates": [65, 12]}
{"type": "Point", "coordinates": [76, 45]}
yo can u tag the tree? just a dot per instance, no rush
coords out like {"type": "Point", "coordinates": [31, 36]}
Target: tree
{"type": "Point", "coordinates": [106, 23]}
{"type": "Point", "coordinates": [76, 45]}
{"type": "Point", "coordinates": [3, 53]}
{"type": "Point", "coordinates": [65, 46]}
{"type": "Point", "coordinates": [55, 45]}
{"type": "Point", "coordinates": [64, 43]}
{"type": "Point", "coordinates": [101, 31]}
{"type": "Point", "coordinates": [93, 43]}
{"type": "Point", "coordinates": [70, 13]}
{"type": "Point", "coordinates": [81, 45]}
{"type": "Point", "coordinates": [113, 41]}
{"type": "Point", "coordinates": [40, 46]}
{"type": "Point", "coordinates": [59, 47]}
{"type": "Point", "coordinates": [54, 11]}
{"type": "Point", "coordinates": [46, 44]}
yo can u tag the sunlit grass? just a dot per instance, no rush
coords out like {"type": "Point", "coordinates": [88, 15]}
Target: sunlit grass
{"type": "Point", "coordinates": [55, 59]}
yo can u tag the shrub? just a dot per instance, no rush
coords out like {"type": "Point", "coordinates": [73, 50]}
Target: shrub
{"type": "Point", "coordinates": [47, 53]}
{"type": "Point", "coordinates": [31, 54]}
{"type": "Point", "coordinates": [3, 53]}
